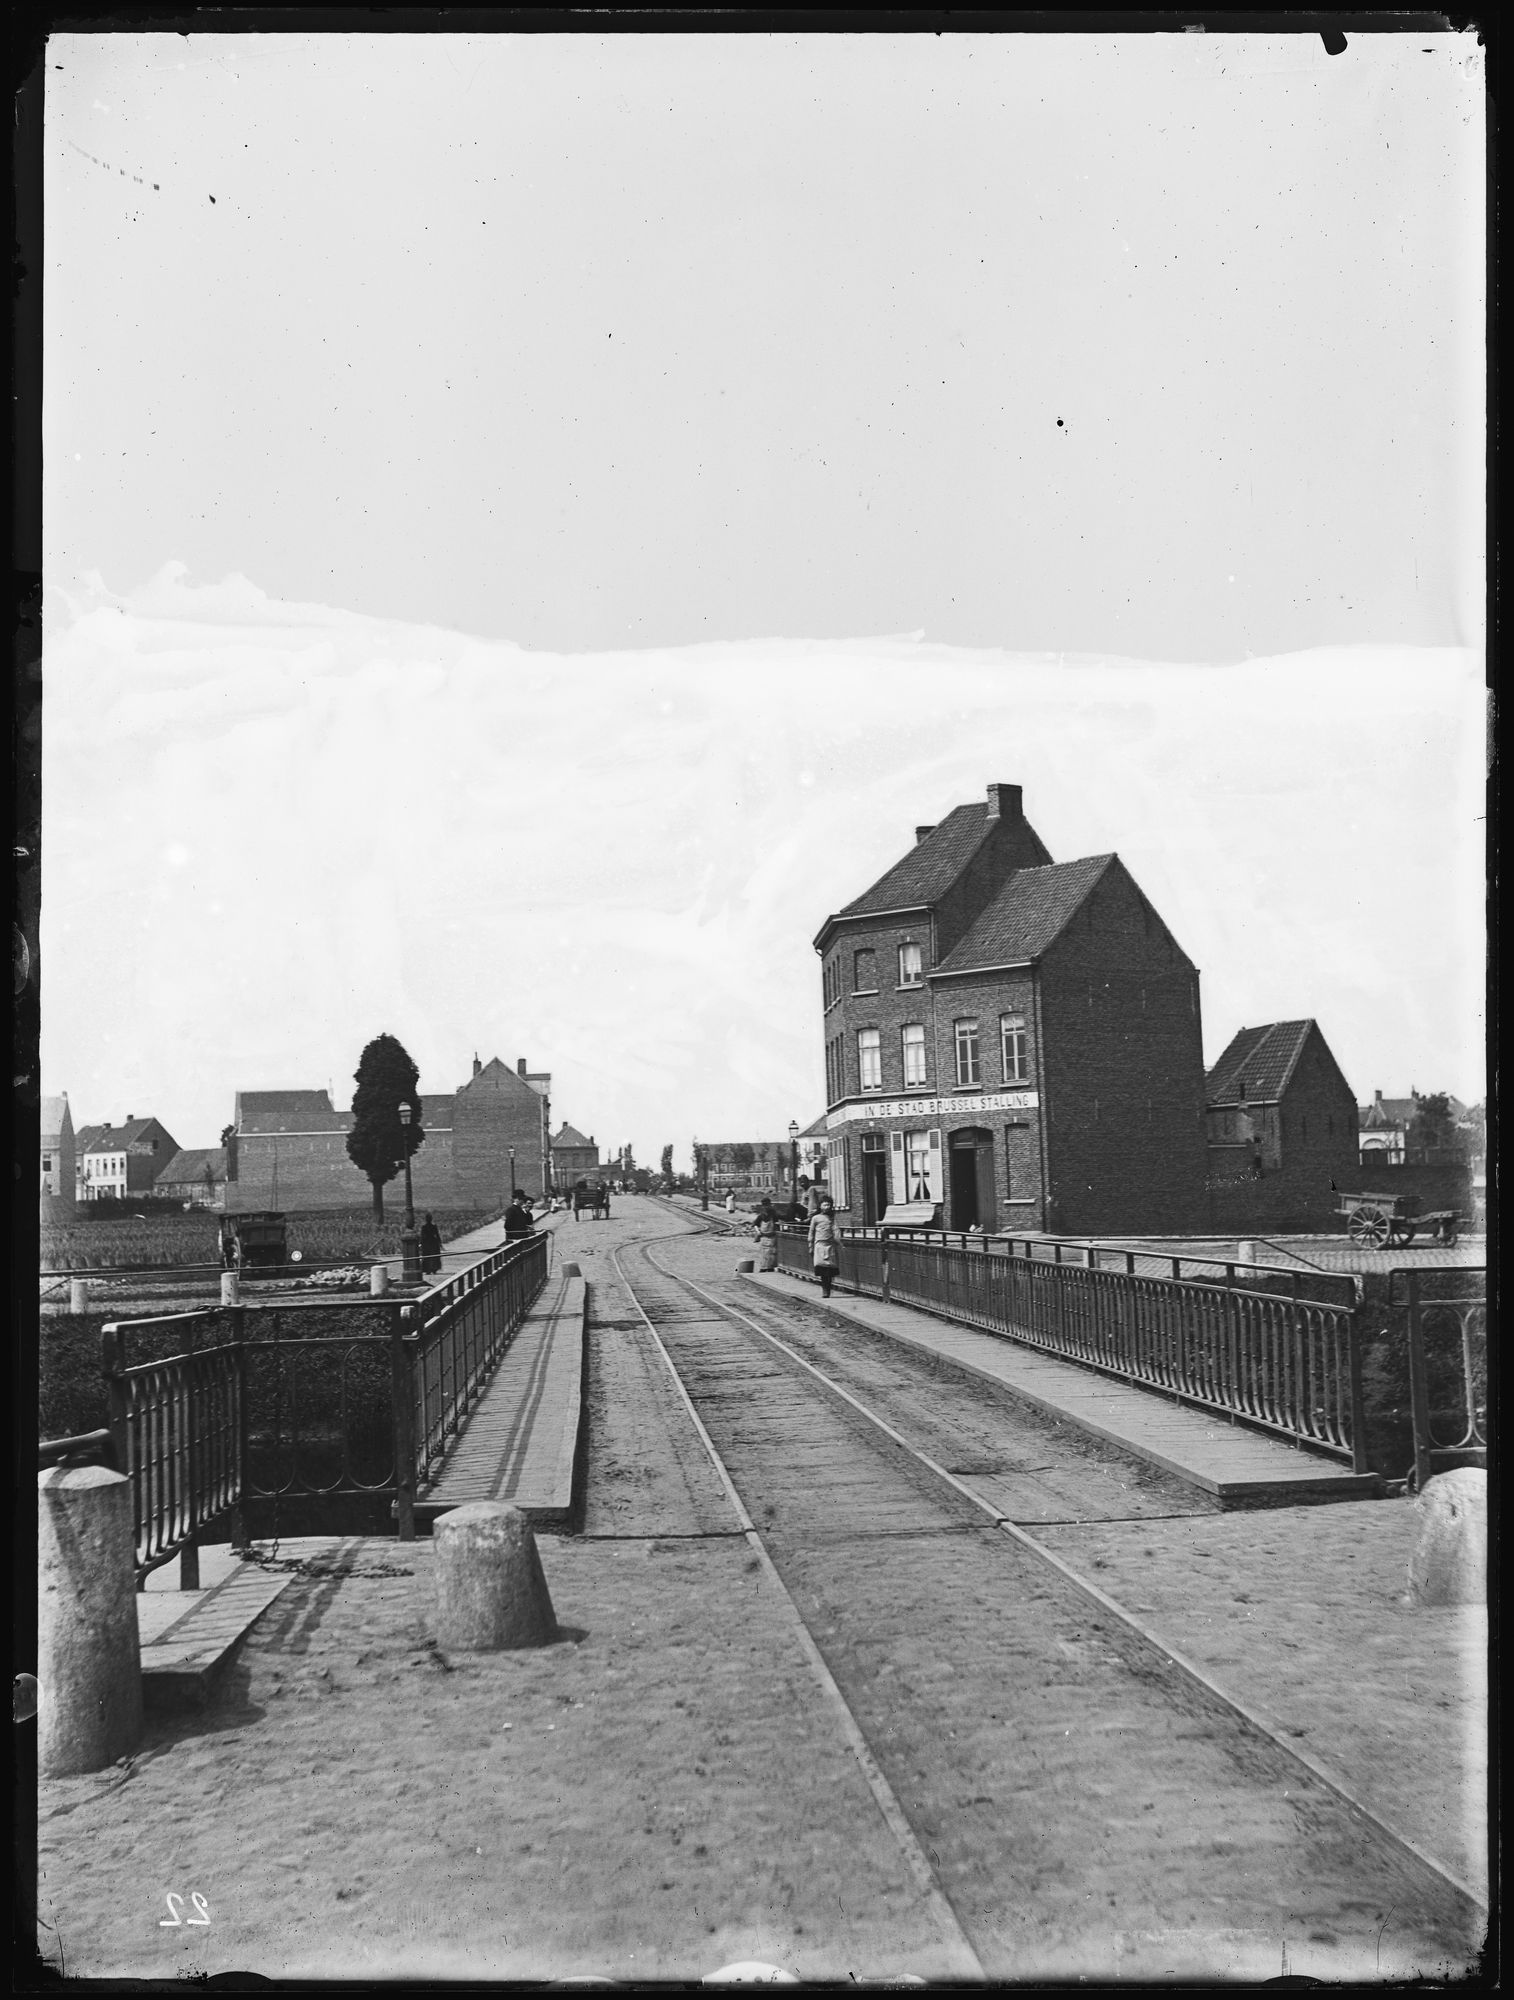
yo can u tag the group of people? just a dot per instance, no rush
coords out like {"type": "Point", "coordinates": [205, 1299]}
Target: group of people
{"type": "Point", "coordinates": [815, 1207]}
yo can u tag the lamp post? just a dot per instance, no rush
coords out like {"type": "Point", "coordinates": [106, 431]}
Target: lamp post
{"type": "Point", "coordinates": [702, 1158]}
{"type": "Point", "coordinates": [410, 1247]}
{"type": "Point", "coordinates": [794, 1158]}
{"type": "Point", "coordinates": [512, 1173]}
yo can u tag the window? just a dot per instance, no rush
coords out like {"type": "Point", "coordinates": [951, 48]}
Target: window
{"type": "Point", "coordinates": [864, 972]}
{"type": "Point", "coordinates": [870, 1059]}
{"type": "Point", "coordinates": [831, 981]}
{"type": "Point", "coordinates": [967, 1052]}
{"type": "Point", "coordinates": [872, 1142]}
{"type": "Point", "coordinates": [909, 965]}
{"type": "Point", "coordinates": [912, 1040]}
{"type": "Point", "coordinates": [1013, 1044]}
{"type": "Point", "coordinates": [835, 1083]}
{"type": "Point", "coordinates": [835, 1171]}
{"type": "Point", "coordinates": [47, 1163]}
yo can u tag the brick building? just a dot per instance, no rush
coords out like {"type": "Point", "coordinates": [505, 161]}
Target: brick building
{"type": "Point", "coordinates": [574, 1157]}
{"type": "Point", "coordinates": [745, 1166]}
{"type": "Point", "coordinates": [1011, 1043]}
{"type": "Point", "coordinates": [196, 1177]}
{"type": "Point", "coordinates": [1282, 1129]}
{"type": "Point", "coordinates": [116, 1162]}
{"type": "Point", "coordinates": [288, 1148]}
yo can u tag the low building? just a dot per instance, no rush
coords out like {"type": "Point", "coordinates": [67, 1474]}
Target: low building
{"type": "Point", "coordinates": [745, 1166]}
{"type": "Point", "coordinates": [1282, 1129]}
{"type": "Point", "coordinates": [574, 1157]}
{"type": "Point", "coordinates": [1383, 1130]}
{"type": "Point", "coordinates": [123, 1161]}
{"type": "Point", "coordinates": [195, 1176]}
{"type": "Point", "coordinates": [288, 1148]}
{"type": "Point", "coordinates": [57, 1135]}
{"type": "Point", "coordinates": [1011, 1043]}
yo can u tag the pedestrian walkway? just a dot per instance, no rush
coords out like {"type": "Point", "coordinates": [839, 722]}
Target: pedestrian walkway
{"type": "Point", "coordinates": [1240, 1467]}
{"type": "Point", "coordinates": [185, 1635]}
{"type": "Point", "coordinates": [524, 1440]}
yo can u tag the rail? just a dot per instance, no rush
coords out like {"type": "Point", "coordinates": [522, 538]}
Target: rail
{"type": "Point", "coordinates": [1284, 1364]}
{"type": "Point", "coordinates": [246, 1405]}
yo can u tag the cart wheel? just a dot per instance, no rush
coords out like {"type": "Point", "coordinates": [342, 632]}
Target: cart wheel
{"type": "Point", "coordinates": [1447, 1233]}
{"type": "Point", "coordinates": [1368, 1227]}
{"type": "Point", "coordinates": [1401, 1232]}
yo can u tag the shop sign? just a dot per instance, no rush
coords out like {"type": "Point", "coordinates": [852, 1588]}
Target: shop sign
{"type": "Point", "coordinates": [934, 1107]}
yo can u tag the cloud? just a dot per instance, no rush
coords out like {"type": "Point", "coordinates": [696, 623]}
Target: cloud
{"type": "Point", "coordinates": [272, 828]}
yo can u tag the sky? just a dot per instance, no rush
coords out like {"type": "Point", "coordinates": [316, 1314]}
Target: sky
{"type": "Point", "coordinates": [533, 523]}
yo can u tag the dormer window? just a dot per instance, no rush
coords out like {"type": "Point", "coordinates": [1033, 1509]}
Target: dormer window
{"type": "Point", "coordinates": [910, 973]}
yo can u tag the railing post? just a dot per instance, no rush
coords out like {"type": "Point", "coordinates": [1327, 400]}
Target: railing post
{"type": "Point", "coordinates": [188, 1460]}
{"type": "Point", "coordinates": [402, 1398]}
{"type": "Point", "coordinates": [239, 1535]}
{"type": "Point", "coordinates": [1419, 1388]}
{"type": "Point", "coordinates": [1358, 1401]}
{"type": "Point", "coordinates": [883, 1265]}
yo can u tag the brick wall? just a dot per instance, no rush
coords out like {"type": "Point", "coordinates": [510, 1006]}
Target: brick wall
{"type": "Point", "coordinates": [315, 1172]}
{"type": "Point", "coordinates": [1124, 1074]}
{"type": "Point", "coordinates": [1018, 1192]}
{"type": "Point", "coordinates": [1310, 1142]}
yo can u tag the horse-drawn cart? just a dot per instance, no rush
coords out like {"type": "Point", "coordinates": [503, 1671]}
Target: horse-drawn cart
{"type": "Point", "coordinates": [1378, 1221]}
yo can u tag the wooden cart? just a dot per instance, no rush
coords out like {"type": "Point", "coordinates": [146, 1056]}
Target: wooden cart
{"type": "Point", "coordinates": [1378, 1221]}
{"type": "Point", "coordinates": [252, 1242]}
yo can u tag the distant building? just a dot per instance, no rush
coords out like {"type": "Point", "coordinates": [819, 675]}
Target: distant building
{"type": "Point", "coordinates": [288, 1148]}
{"type": "Point", "coordinates": [1011, 1043]}
{"type": "Point", "coordinates": [745, 1166]}
{"type": "Point", "coordinates": [1282, 1128]}
{"type": "Point", "coordinates": [122, 1161]}
{"type": "Point", "coordinates": [573, 1157]}
{"type": "Point", "coordinates": [1383, 1130]}
{"type": "Point", "coordinates": [196, 1176]}
{"type": "Point", "coordinates": [57, 1149]}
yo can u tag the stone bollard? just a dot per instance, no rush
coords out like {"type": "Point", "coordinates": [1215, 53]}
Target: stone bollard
{"type": "Point", "coordinates": [378, 1280]}
{"type": "Point", "coordinates": [1245, 1253]}
{"type": "Point", "coordinates": [78, 1295]}
{"type": "Point", "coordinates": [746, 1263]}
{"type": "Point", "coordinates": [571, 1271]}
{"type": "Point", "coordinates": [89, 1661]}
{"type": "Point", "coordinates": [1449, 1563]}
{"type": "Point", "coordinates": [231, 1288]}
{"type": "Point", "coordinates": [491, 1595]}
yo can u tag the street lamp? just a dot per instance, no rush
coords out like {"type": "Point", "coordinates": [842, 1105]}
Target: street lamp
{"type": "Point", "coordinates": [512, 1173]}
{"type": "Point", "coordinates": [702, 1161]}
{"type": "Point", "coordinates": [410, 1247]}
{"type": "Point", "coordinates": [794, 1156]}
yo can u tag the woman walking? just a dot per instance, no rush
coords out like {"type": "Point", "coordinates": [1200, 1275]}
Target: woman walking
{"type": "Point", "coordinates": [765, 1229]}
{"type": "Point", "coordinates": [825, 1252]}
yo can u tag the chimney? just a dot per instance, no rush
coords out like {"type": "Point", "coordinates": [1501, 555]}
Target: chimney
{"type": "Point", "coordinates": [477, 1065]}
{"type": "Point", "coordinates": [520, 1065]}
{"type": "Point", "coordinates": [923, 833]}
{"type": "Point", "coordinates": [1004, 802]}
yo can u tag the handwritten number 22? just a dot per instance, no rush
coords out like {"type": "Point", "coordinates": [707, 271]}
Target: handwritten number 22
{"type": "Point", "coordinates": [173, 1918]}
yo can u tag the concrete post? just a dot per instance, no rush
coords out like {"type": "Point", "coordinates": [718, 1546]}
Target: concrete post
{"type": "Point", "coordinates": [89, 1662]}
{"type": "Point", "coordinates": [1449, 1561]}
{"type": "Point", "coordinates": [231, 1288]}
{"type": "Point", "coordinates": [491, 1595]}
{"type": "Point", "coordinates": [78, 1295]}
{"type": "Point", "coordinates": [378, 1280]}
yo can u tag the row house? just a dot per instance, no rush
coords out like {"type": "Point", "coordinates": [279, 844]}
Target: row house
{"type": "Point", "coordinates": [121, 1162]}
{"type": "Point", "coordinates": [1011, 1043]}
{"type": "Point", "coordinates": [58, 1148]}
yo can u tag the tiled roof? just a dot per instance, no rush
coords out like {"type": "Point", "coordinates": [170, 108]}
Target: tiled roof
{"type": "Point", "coordinates": [54, 1111]}
{"type": "Point", "coordinates": [1027, 914]}
{"type": "Point", "coordinates": [115, 1138]}
{"type": "Point", "coordinates": [569, 1137]}
{"type": "Point", "coordinates": [288, 1111]}
{"type": "Point", "coordinates": [190, 1165]}
{"type": "Point", "coordinates": [85, 1137]}
{"type": "Point", "coordinates": [930, 867]}
{"type": "Point", "coordinates": [1258, 1064]}
{"type": "Point", "coordinates": [1385, 1111]}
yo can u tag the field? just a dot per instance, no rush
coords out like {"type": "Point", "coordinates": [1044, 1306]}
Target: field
{"type": "Point", "coordinates": [327, 1236]}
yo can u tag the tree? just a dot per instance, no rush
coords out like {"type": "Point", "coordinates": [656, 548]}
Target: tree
{"type": "Point", "coordinates": [378, 1142]}
{"type": "Point", "coordinates": [667, 1163]}
{"type": "Point", "coordinates": [1432, 1129]}
{"type": "Point", "coordinates": [742, 1157]}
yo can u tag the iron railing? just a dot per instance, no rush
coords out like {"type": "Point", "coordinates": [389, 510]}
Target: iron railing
{"type": "Point", "coordinates": [177, 1426]}
{"type": "Point", "coordinates": [1284, 1364]}
{"type": "Point", "coordinates": [1444, 1311]}
{"type": "Point", "coordinates": [248, 1407]}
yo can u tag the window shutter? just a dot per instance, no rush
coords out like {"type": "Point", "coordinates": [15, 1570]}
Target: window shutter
{"type": "Point", "coordinates": [934, 1179]}
{"type": "Point", "coordinates": [899, 1190]}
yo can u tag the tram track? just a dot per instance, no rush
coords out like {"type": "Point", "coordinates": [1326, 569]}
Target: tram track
{"type": "Point", "coordinates": [825, 1487]}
